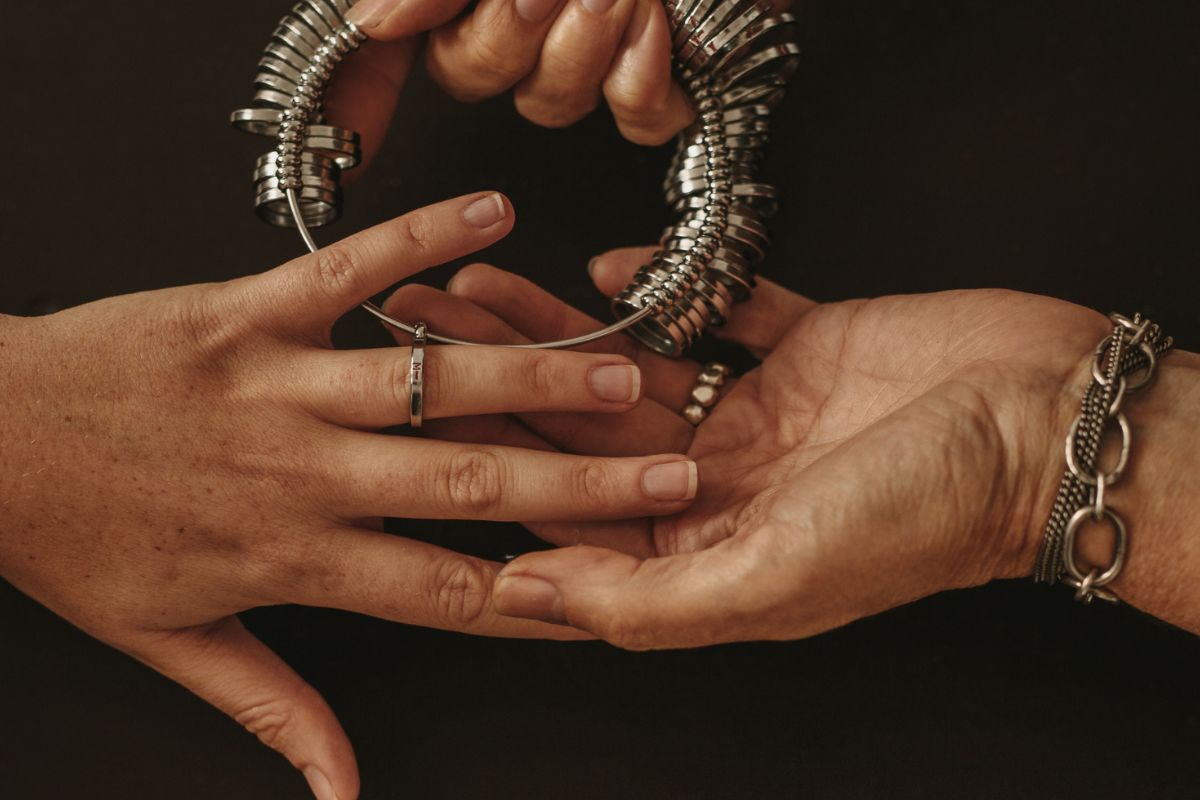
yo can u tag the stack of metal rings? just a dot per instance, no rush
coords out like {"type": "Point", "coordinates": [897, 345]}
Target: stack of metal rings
{"type": "Point", "coordinates": [732, 56]}
{"type": "Point", "coordinates": [309, 155]}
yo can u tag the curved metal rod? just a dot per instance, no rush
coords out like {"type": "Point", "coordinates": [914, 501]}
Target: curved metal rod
{"type": "Point", "coordinates": [616, 327]}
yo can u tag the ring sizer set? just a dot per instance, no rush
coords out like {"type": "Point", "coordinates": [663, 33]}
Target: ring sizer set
{"type": "Point", "coordinates": [733, 58]}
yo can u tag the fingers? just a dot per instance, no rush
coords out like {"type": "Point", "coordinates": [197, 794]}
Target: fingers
{"type": "Point", "coordinates": [648, 105]}
{"type": "Point", "coordinates": [540, 316]}
{"type": "Point", "coordinates": [313, 291]}
{"type": "Point", "coordinates": [646, 429]}
{"type": "Point", "coordinates": [226, 666]}
{"type": "Point", "coordinates": [678, 601]}
{"type": "Point", "coordinates": [634, 536]}
{"type": "Point", "coordinates": [575, 58]}
{"type": "Point", "coordinates": [363, 93]}
{"type": "Point", "coordinates": [490, 49]}
{"type": "Point", "coordinates": [757, 324]}
{"type": "Point", "coordinates": [370, 388]}
{"type": "Point", "coordinates": [391, 19]}
{"type": "Point", "coordinates": [407, 581]}
{"type": "Point", "coordinates": [371, 476]}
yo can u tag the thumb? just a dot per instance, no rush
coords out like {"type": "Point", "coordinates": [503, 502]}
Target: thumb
{"type": "Point", "coordinates": [226, 666]}
{"type": "Point", "coordinates": [365, 89]}
{"type": "Point", "coordinates": [684, 600]}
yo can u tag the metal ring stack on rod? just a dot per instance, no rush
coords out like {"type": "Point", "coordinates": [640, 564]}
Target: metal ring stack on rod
{"type": "Point", "coordinates": [733, 57]}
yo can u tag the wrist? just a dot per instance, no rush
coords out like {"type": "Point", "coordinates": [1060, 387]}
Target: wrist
{"type": "Point", "coordinates": [1159, 498]}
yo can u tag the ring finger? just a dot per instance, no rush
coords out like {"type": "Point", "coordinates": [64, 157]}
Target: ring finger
{"type": "Point", "coordinates": [371, 389]}
{"type": "Point", "coordinates": [646, 428]}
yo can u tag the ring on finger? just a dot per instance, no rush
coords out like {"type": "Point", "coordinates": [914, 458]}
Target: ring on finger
{"type": "Point", "coordinates": [706, 392]}
{"type": "Point", "coordinates": [416, 377]}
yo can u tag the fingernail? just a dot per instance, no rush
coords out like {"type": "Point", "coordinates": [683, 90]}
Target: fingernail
{"type": "Point", "coordinates": [485, 212]}
{"type": "Point", "coordinates": [617, 383]}
{"type": "Point", "coordinates": [367, 14]}
{"type": "Point", "coordinates": [671, 482]}
{"type": "Point", "coordinates": [598, 7]}
{"type": "Point", "coordinates": [528, 597]}
{"type": "Point", "coordinates": [321, 788]}
{"type": "Point", "coordinates": [535, 10]}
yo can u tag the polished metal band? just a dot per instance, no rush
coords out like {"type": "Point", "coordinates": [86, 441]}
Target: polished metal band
{"type": "Point", "coordinates": [733, 58]}
{"type": "Point", "coordinates": [416, 377]}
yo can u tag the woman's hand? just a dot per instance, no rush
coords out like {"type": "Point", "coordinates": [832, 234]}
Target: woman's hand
{"type": "Point", "coordinates": [560, 57]}
{"type": "Point", "coordinates": [884, 450]}
{"type": "Point", "coordinates": [174, 457]}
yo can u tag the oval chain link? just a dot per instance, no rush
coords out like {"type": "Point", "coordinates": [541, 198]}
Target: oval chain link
{"type": "Point", "coordinates": [1133, 347]}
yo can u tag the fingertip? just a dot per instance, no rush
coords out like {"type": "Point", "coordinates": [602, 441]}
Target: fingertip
{"type": "Point", "coordinates": [472, 279]}
{"type": "Point", "coordinates": [488, 211]}
{"type": "Point", "coordinates": [612, 271]}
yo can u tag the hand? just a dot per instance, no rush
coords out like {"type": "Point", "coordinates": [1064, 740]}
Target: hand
{"type": "Point", "coordinates": [559, 57]}
{"type": "Point", "coordinates": [174, 457]}
{"type": "Point", "coordinates": [884, 450]}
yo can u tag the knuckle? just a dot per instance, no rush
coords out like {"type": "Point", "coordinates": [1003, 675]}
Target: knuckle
{"type": "Point", "coordinates": [591, 484]}
{"type": "Point", "coordinates": [554, 110]}
{"type": "Point", "coordinates": [473, 482]}
{"type": "Point", "coordinates": [543, 375]}
{"type": "Point", "coordinates": [337, 270]}
{"type": "Point", "coordinates": [416, 231]}
{"type": "Point", "coordinates": [494, 67]}
{"type": "Point", "coordinates": [461, 591]}
{"type": "Point", "coordinates": [273, 722]}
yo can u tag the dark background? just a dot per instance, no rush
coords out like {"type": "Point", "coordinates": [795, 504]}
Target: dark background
{"type": "Point", "coordinates": [1048, 146]}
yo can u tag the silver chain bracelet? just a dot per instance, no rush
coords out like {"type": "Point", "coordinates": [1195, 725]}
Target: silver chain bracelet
{"type": "Point", "coordinates": [1133, 347]}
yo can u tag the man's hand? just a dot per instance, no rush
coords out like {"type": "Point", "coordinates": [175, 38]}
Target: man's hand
{"type": "Point", "coordinates": [174, 457]}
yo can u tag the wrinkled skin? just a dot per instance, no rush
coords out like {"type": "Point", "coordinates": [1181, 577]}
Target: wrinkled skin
{"type": "Point", "coordinates": [883, 450]}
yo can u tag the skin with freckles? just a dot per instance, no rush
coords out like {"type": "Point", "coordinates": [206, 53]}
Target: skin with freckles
{"type": "Point", "coordinates": [175, 457]}
{"type": "Point", "coordinates": [885, 449]}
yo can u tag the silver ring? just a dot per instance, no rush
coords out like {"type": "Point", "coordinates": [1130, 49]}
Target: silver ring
{"type": "Point", "coordinates": [733, 58]}
{"type": "Point", "coordinates": [416, 376]}
{"type": "Point", "coordinates": [706, 392]}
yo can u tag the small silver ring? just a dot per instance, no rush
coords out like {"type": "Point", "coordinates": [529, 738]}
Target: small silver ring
{"type": "Point", "coordinates": [416, 376]}
{"type": "Point", "coordinates": [706, 392]}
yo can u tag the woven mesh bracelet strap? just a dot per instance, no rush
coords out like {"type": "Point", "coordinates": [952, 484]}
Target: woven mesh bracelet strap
{"type": "Point", "coordinates": [1124, 363]}
{"type": "Point", "coordinates": [733, 58]}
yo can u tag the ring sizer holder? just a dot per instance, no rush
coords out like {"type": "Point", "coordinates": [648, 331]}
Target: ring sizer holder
{"type": "Point", "coordinates": [733, 58]}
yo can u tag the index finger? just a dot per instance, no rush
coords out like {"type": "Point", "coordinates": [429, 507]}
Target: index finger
{"type": "Point", "coordinates": [316, 289]}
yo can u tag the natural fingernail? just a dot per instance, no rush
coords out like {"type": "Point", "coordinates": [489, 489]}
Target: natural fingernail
{"type": "Point", "coordinates": [535, 10]}
{"type": "Point", "coordinates": [598, 7]}
{"type": "Point", "coordinates": [671, 482]}
{"type": "Point", "coordinates": [485, 212]}
{"type": "Point", "coordinates": [321, 788]}
{"type": "Point", "coordinates": [531, 598]}
{"type": "Point", "coordinates": [367, 14]}
{"type": "Point", "coordinates": [617, 383]}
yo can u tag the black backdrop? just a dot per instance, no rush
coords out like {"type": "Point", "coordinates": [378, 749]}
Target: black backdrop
{"type": "Point", "coordinates": [1048, 146]}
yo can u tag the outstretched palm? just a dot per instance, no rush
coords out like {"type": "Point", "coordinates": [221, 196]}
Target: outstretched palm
{"type": "Point", "coordinates": [886, 433]}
